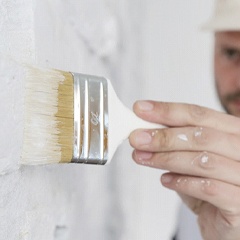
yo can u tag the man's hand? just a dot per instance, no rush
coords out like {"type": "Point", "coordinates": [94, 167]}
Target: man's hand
{"type": "Point", "coordinates": [201, 150]}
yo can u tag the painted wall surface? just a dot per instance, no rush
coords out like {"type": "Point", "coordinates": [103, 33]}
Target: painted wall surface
{"type": "Point", "coordinates": [134, 44]}
{"type": "Point", "coordinates": [178, 52]}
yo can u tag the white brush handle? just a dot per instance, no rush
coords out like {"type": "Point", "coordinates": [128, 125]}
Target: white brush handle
{"type": "Point", "coordinates": [122, 121]}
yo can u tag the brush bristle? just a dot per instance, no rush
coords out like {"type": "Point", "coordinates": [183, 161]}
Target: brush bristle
{"type": "Point", "coordinates": [48, 130]}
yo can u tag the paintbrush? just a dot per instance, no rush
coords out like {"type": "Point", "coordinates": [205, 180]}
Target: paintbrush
{"type": "Point", "coordinates": [73, 118]}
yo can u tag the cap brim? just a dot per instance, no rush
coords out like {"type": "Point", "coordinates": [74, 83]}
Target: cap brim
{"type": "Point", "coordinates": [223, 24]}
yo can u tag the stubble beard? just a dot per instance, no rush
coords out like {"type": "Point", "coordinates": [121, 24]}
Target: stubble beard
{"type": "Point", "coordinates": [225, 100]}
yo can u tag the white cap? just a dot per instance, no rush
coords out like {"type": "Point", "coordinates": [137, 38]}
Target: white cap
{"type": "Point", "coordinates": [226, 16]}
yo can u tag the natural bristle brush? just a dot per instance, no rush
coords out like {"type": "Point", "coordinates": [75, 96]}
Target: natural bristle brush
{"type": "Point", "coordinates": [73, 118]}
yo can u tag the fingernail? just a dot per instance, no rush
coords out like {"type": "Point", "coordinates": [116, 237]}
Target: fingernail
{"type": "Point", "coordinates": [142, 156]}
{"type": "Point", "coordinates": [167, 178]}
{"type": "Point", "coordinates": [143, 138]}
{"type": "Point", "coordinates": [145, 106]}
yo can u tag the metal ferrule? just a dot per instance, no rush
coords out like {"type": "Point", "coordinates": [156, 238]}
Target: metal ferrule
{"type": "Point", "coordinates": [90, 119]}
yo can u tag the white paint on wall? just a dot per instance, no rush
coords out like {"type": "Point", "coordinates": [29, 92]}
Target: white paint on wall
{"type": "Point", "coordinates": [104, 37]}
{"type": "Point", "coordinates": [17, 29]}
{"type": "Point", "coordinates": [33, 202]}
{"type": "Point", "coordinates": [80, 34]}
{"type": "Point", "coordinates": [16, 44]}
{"type": "Point", "coordinates": [11, 114]}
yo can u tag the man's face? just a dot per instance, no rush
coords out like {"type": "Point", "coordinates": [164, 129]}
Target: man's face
{"type": "Point", "coordinates": [227, 70]}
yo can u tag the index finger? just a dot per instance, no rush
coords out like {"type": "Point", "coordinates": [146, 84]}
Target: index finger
{"type": "Point", "coordinates": [182, 114]}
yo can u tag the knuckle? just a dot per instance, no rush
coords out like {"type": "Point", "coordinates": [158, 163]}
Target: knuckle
{"type": "Point", "coordinates": [196, 207]}
{"type": "Point", "coordinates": [229, 219]}
{"type": "Point", "coordinates": [232, 221]}
{"type": "Point", "coordinates": [165, 110]}
{"type": "Point", "coordinates": [164, 139]}
{"type": "Point", "coordinates": [167, 160]}
{"type": "Point", "coordinates": [200, 137]}
{"type": "Point", "coordinates": [196, 113]}
{"type": "Point", "coordinates": [205, 161]}
{"type": "Point", "coordinates": [165, 106]}
{"type": "Point", "coordinates": [208, 187]}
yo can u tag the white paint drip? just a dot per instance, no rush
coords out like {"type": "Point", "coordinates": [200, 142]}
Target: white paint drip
{"type": "Point", "coordinates": [154, 133]}
{"type": "Point", "coordinates": [182, 181]}
{"type": "Point", "coordinates": [204, 184]}
{"type": "Point", "coordinates": [183, 137]}
{"type": "Point", "coordinates": [198, 132]}
{"type": "Point", "coordinates": [204, 159]}
{"type": "Point", "coordinates": [146, 163]}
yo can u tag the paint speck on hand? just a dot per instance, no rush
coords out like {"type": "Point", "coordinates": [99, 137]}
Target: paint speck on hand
{"type": "Point", "coordinates": [183, 137]}
{"type": "Point", "coordinates": [204, 159]}
{"type": "Point", "coordinates": [198, 132]}
{"type": "Point", "coordinates": [154, 133]}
